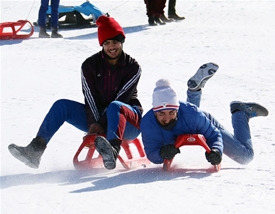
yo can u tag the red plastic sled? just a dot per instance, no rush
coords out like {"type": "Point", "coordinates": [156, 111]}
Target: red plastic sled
{"type": "Point", "coordinates": [95, 161]}
{"type": "Point", "coordinates": [190, 140]}
{"type": "Point", "coordinates": [22, 29]}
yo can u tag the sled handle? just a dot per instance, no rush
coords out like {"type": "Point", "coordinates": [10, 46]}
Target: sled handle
{"type": "Point", "coordinates": [189, 140]}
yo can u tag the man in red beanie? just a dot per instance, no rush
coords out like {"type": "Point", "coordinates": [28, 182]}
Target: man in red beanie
{"type": "Point", "coordinates": [109, 84]}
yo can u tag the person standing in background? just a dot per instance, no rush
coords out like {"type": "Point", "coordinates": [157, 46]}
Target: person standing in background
{"type": "Point", "coordinates": [155, 12]}
{"type": "Point", "coordinates": [54, 19]}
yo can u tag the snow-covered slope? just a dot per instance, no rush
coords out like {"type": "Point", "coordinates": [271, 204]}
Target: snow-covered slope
{"type": "Point", "coordinates": [237, 35]}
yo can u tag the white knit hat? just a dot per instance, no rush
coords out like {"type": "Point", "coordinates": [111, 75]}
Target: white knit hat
{"type": "Point", "coordinates": [164, 97]}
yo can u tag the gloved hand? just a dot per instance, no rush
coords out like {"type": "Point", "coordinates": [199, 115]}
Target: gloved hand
{"type": "Point", "coordinates": [214, 157]}
{"type": "Point", "coordinates": [169, 151]}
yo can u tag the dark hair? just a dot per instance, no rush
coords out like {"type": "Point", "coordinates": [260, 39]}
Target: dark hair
{"type": "Point", "coordinates": [119, 38]}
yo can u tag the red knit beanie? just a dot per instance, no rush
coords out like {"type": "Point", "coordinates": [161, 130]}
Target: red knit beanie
{"type": "Point", "coordinates": [108, 28]}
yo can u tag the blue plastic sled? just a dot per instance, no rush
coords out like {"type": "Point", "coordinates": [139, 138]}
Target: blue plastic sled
{"type": "Point", "coordinates": [72, 16]}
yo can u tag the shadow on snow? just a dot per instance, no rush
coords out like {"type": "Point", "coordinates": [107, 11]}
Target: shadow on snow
{"type": "Point", "coordinates": [104, 179]}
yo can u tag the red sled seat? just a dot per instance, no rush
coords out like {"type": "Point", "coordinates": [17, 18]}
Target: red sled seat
{"type": "Point", "coordinates": [190, 140]}
{"type": "Point", "coordinates": [93, 160]}
{"type": "Point", "coordinates": [22, 29]}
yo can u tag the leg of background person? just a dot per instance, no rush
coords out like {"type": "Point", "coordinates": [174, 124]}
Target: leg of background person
{"type": "Point", "coordinates": [172, 7]}
{"type": "Point", "coordinates": [42, 19]}
{"type": "Point", "coordinates": [54, 19]}
{"type": "Point", "coordinates": [42, 13]}
{"type": "Point", "coordinates": [150, 11]}
{"type": "Point", "coordinates": [172, 11]}
{"type": "Point", "coordinates": [159, 6]}
{"type": "Point", "coordinates": [54, 13]}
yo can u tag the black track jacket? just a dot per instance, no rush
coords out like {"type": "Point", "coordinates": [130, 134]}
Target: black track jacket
{"type": "Point", "coordinates": [103, 83]}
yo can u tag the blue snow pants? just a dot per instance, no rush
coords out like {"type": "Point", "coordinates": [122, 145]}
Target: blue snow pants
{"type": "Point", "coordinates": [123, 120]}
{"type": "Point", "coordinates": [54, 13]}
{"type": "Point", "coordinates": [238, 147]}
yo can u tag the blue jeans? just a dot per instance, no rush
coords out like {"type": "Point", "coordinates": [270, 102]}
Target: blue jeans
{"type": "Point", "coordinates": [54, 13]}
{"type": "Point", "coordinates": [123, 119]}
{"type": "Point", "coordinates": [238, 147]}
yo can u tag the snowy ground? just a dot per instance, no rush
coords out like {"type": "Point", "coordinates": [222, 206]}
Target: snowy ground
{"type": "Point", "coordinates": [237, 35]}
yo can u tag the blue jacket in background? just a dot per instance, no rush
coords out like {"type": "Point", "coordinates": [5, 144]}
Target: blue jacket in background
{"type": "Point", "coordinates": [191, 120]}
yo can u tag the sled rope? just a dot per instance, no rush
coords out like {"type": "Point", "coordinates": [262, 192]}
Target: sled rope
{"type": "Point", "coordinates": [118, 6]}
{"type": "Point", "coordinates": [30, 9]}
{"type": "Point", "coordinates": [15, 4]}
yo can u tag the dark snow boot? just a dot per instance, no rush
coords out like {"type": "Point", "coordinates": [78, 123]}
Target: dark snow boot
{"type": "Point", "coordinates": [159, 21]}
{"type": "Point", "coordinates": [165, 19]}
{"type": "Point", "coordinates": [55, 33]}
{"type": "Point", "coordinates": [31, 154]}
{"type": "Point", "coordinates": [176, 17]}
{"type": "Point", "coordinates": [43, 33]}
{"type": "Point", "coordinates": [172, 11]}
{"type": "Point", "coordinates": [251, 109]}
{"type": "Point", "coordinates": [108, 150]}
{"type": "Point", "coordinates": [151, 21]}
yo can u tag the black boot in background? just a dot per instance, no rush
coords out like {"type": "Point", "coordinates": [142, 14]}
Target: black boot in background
{"type": "Point", "coordinates": [43, 33]}
{"type": "Point", "coordinates": [151, 21]}
{"type": "Point", "coordinates": [172, 11]}
{"type": "Point", "coordinates": [176, 17]}
{"type": "Point", "coordinates": [31, 154]}
{"type": "Point", "coordinates": [165, 19]}
{"type": "Point", "coordinates": [159, 21]}
{"type": "Point", "coordinates": [55, 33]}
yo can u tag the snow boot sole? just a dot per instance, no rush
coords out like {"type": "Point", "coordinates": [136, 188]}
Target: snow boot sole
{"type": "Point", "coordinates": [21, 155]}
{"type": "Point", "coordinates": [105, 149]}
{"type": "Point", "coordinates": [204, 73]}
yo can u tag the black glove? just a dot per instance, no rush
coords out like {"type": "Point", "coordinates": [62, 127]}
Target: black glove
{"type": "Point", "coordinates": [214, 157]}
{"type": "Point", "coordinates": [169, 151]}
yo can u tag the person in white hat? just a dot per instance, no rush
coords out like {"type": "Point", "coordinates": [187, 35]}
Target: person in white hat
{"type": "Point", "coordinates": [170, 118]}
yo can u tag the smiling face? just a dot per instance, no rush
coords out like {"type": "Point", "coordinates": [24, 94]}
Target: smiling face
{"type": "Point", "coordinates": [113, 49]}
{"type": "Point", "coordinates": [166, 117]}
